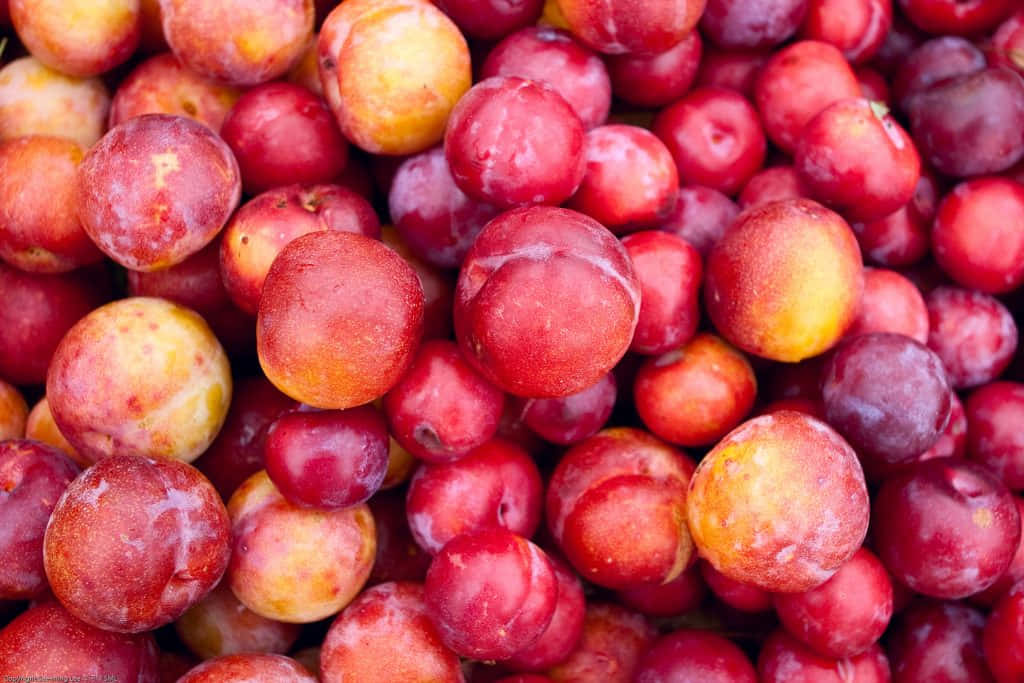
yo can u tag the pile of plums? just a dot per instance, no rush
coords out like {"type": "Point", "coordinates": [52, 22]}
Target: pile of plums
{"type": "Point", "coordinates": [491, 341]}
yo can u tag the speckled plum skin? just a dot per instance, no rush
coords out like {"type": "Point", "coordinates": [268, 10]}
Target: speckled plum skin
{"type": "Point", "coordinates": [294, 564]}
{"type": "Point", "coordinates": [785, 281]}
{"type": "Point", "coordinates": [385, 634]}
{"type": "Point", "coordinates": [694, 394]}
{"type": "Point", "coordinates": [240, 42]}
{"type": "Point", "coordinates": [46, 640]}
{"type": "Point", "coordinates": [264, 225]}
{"type": "Point", "coordinates": [855, 158]}
{"type": "Point", "coordinates": [37, 100]}
{"type": "Point", "coordinates": [614, 638]}
{"type": "Point", "coordinates": [183, 185]}
{"type": "Point", "coordinates": [163, 85]}
{"type": "Point", "coordinates": [40, 232]}
{"type": "Point", "coordinates": [249, 667]}
{"type": "Point", "coordinates": [796, 83]}
{"type": "Point", "coordinates": [139, 376]}
{"type": "Point", "coordinates": [951, 528]}
{"type": "Point", "coordinates": [972, 218]}
{"type": "Point", "coordinates": [510, 573]}
{"type": "Point", "coordinates": [81, 37]}
{"type": "Point", "coordinates": [375, 327]}
{"type": "Point", "coordinates": [134, 542]}
{"type": "Point", "coordinates": [543, 53]}
{"type": "Point", "coordinates": [689, 654]}
{"type": "Point", "coordinates": [38, 311]}
{"type": "Point", "coordinates": [887, 394]}
{"type": "Point", "coordinates": [630, 181]}
{"type": "Point", "coordinates": [829, 621]}
{"type": "Point", "coordinates": [755, 507]}
{"type": "Point", "coordinates": [621, 494]}
{"type": "Point", "coordinates": [494, 486]}
{"type": "Point", "coordinates": [32, 478]}
{"type": "Point", "coordinates": [392, 70]}
{"type": "Point", "coordinates": [631, 26]}
{"type": "Point", "coordinates": [546, 302]}
{"type": "Point", "coordinates": [515, 142]}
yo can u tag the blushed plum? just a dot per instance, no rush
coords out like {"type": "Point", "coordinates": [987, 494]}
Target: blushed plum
{"type": "Point", "coordinates": [630, 180]}
{"type": "Point", "coordinates": [785, 281]}
{"type": "Point", "coordinates": [512, 575]}
{"type": "Point", "coordinates": [163, 85]}
{"type": "Point", "coordinates": [38, 311]}
{"type": "Point", "coordinates": [973, 333]}
{"type": "Point", "coordinates": [696, 393]}
{"type": "Point", "coordinates": [994, 412]}
{"type": "Point", "coordinates": [139, 376]}
{"type": "Point", "coordinates": [620, 496]}
{"type": "Point", "coordinates": [496, 485]}
{"type": "Point", "coordinates": [183, 187]}
{"type": "Point", "coordinates": [783, 659]}
{"type": "Point", "coordinates": [546, 303]}
{"type": "Point", "coordinates": [37, 100]}
{"type": "Point", "coordinates": [891, 303]}
{"type": "Point", "coordinates": [715, 137]}
{"type": "Point", "coordinates": [47, 640]}
{"type": "Point", "coordinates": [134, 542]}
{"type": "Point", "coordinates": [240, 42]}
{"type": "Point", "coordinates": [434, 217]}
{"type": "Point", "coordinates": [282, 134]}
{"type": "Point", "coordinates": [78, 37]}
{"type": "Point", "coordinates": [628, 26]}
{"type": "Point", "coordinates": [938, 641]}
{"type": "Point", "coordinates": [294, 564]}
{"type": "Point", "coordinates": [386, 634]}
{"type": "Point", "coordinates": [978, 235]}
{"type": "Point", "coordinates": [32, 477]}
{"type": "Point", "coordinates": [857, 27]}
{"type": "Point", "coordinates": [689, 654]}
{"type": "Point", "coordinates": [855, 158]}
{"type": "Point", "coordinates": [40, 232]}
{"type": "Point", "coordinates": [248, 667]}
{"type": "Point", "coordinates": [565, 629]}
{"type": "Point", "coordinates": [972, 124]}
{"type": "Point", "coordinates": [328, 459]}
{"type": "Point", "coordinates": [442, 408]}
{"type": "Point", "coordinates": [375, 327]}
{"type": "Point", "coordinates": [887, 394]}
{"type": "Point", "coordinates": [830, 620]}
{"type": "Point", "coordinates": [547, 54]}
{"type": "Point", "coordinates": [656, 80]}
{"type": "Point", "coordinates": [39, 426]}
{"type": "Point", "coordinates": [220, 625]}
{"type": "Point", "coordinates": [264, 225]}
{"type": "Point", "coordinates": [732, 24]}
{"type": "Point", "coordinates": [514, 142]}
{"type": "Point", "coordinates": [392, 70]}
{"type": "Point", "coordinates": [613, 641]}
{"type": "Point", "coordinates": [755, 510]}
{"type": "Point", "coordinates": [573, 418]}
{"type": "Point", "coordinates": [951, 527]}
{"type": "Point", "coordinates": [796, 83]}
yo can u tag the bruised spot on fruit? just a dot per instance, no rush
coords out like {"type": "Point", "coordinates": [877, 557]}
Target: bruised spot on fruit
{"type": "Point", "coordinates": [164, 164]}
{"type": "Point", "coordinates": [982, 517]}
